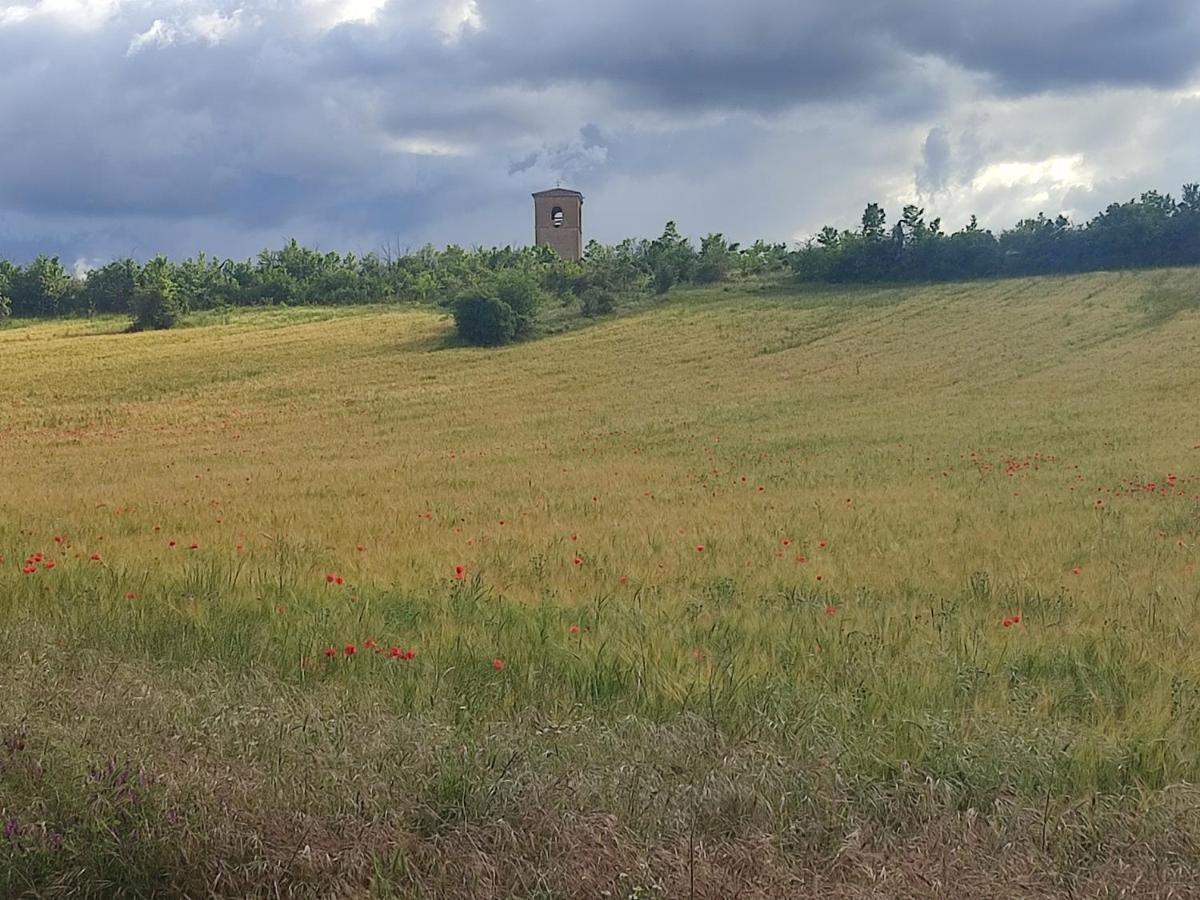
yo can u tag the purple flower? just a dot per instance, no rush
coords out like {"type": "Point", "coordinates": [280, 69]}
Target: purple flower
{"type": "Point", "coordinates": [54, 840]}
{"type": "Point", "coordinates": [10, 828]}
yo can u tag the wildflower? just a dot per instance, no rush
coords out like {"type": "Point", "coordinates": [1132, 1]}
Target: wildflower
{"type": "Point", "coordinates": [370, 644]}
{"type": "Point", "coordinates": [396, 653]}
{"type": "Point", "coordinates": [351, 649]}
{"type": "Point", "coordinates": [460, 573]}
{"type": "Point", "coordinates": [131, 596]}
{"type": "Point", "coordinates": [58, 539]}
{"type": "Point", "coordinates": [339, 580]}
{"type": "Point", "coordinates": [95, 557]}
{"type": "Point", "coordinates": [822, 544]}
{"type": "Point", "coordinates": [360, 548]}
{"type": "Point", "coordinates": [830, 611]}
{"type": "Point", "coordinates": [29, 570]}
{"type": "Point", "coordinates": [574, 629]}
{"type": "Point", "coordinates": [194, 547]}
{"type": "Point", "coordinates": [170, 543]}
{"type": "Point", "coordinates": [329, 579]}
{"type": "Point", "coordinates": [330, 652]}
{"type": "Point", "coordinates": [579, 560]}
{"type": "Point", "coordinates": [48, 564]}
{"type": "Point", "coordinates": [11, 828]}
{"type": "Point", "coordinates": [1008, 622]}
{"type": "Point", "coordinates": [786, 542]}
{"type": "Point", "coordinates": [37, 557]}
{"type": "Point", "coordinates": [498, 664]}
{"type": "Point", "coordinates": [410, 654]}
{"type": "Point", "coordinates": [1016, 620]}
{"type": "Point", "coordinates": [699, 548]}
{"type": "Point", "coordinates": [624, 579]}
{"type": "Point", "coordinates": [1076, 570]}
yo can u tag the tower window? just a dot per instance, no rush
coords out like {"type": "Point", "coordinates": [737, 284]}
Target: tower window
{"type": "Point", "coordinates": [556, 217]}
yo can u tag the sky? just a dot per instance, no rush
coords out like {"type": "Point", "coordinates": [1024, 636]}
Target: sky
{"type": "Point", "coordinates": [131, 128]}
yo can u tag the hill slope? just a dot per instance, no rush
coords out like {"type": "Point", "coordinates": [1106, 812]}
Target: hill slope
{"type": "Point", "coordinates": [891, 553]}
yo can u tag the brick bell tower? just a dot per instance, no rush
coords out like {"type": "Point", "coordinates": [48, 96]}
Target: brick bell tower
{"type": "Point", "coordinates": [558, 222]}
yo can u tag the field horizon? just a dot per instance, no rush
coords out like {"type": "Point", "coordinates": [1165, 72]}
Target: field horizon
{"type": "Point", "coordinates": [863, 592]}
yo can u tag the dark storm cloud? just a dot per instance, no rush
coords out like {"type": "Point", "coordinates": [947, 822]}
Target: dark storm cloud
{"type": "Point", "coordinates": [159, 123]}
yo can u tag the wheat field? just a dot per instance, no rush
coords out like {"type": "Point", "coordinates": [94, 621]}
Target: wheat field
{"type": "Point", "coordinates": [761, 592]}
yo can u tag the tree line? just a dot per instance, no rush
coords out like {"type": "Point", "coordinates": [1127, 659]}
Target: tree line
{"type": "Point", "coordinates": [1152, 230]}
{"type": "Point", "coordinates": [496, 293]}
{"type": "Point", "coordinates": [156, 292]}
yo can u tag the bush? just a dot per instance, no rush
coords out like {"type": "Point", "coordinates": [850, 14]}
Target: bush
{"type": "Point", "coordinates": [519, 291]}
{"type": "Point", "coordinates": [155, 304]}
{"type": "Point", "coordinates": [664, 277]}
{"type": "Point", "coordinates": [484, 320]}
{"type": "Point", "coordinates": [597, 302]}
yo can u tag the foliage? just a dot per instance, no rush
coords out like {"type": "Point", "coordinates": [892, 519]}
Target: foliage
{"type": "Point", "coordinates": [1151, 230]}
{"type": "Point", "coordinates": [484, 320]}
{"type": "Point", "coordinates": [156, 301]}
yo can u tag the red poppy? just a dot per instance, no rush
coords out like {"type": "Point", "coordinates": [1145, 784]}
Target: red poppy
{"type": "Point", "coordinates": [194, 547]}
{"type": "Point", "coordinates": [58, 539]}
{"type": "Point", "coordinates": [579, 560]}
{"type": "Point", "coordinates": [38, 557]}
{"type": "Point", "coordinates": [170, 543]}
{"type": "Point", "coordinates": [624, 579]}
{"type": "Point", "coordinates": [330, 652]}
{"type": "Point", "coordinates": [1008, 623]}
{"type": "Point", "coordinates": [830, 611]}
{"type": "Point", "coordinates": [131, 596]}
{"type": "Point", "coordinates": [95, 557]}
{"type": "Point", "coordinates": [699, 548]}
{"type": "Point", "coordinates": [497, 664]}
{"type": "Point", "coordinates": [396, 653]}
{"type": "Point", "coordinates": [786, 542]}
{"type": "Point", "coordinates": [410, 654]}
{"type": "Point", "coordinates": [49, 564]}
{"type": "Point", "coordinates": [339, 580]}
{"type": "Point", "coordinates": [29, 570]}
{"type": "Point", "coordinates": [574, 629]}
{"type": "Point", "coordinates": [822, 544]}
{"type": "Point", "coordinates": [329, 579]}
{"type": "Point", "coordinates": [370, 644]}
{"type": "Point", "coordinates": [1016, 620]}
{"type": "Point", "coordinates": [360, 548]}
{"type": "Point", "coordinates": [1076, 570]}
{"type": "Point", "coordinates": [460, 572]}
{"type": "Point", "coordinates": [351, 649]}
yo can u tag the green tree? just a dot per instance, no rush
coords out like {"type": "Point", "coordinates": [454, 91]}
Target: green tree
{"type": "Point", "coordinates": [156, 301]}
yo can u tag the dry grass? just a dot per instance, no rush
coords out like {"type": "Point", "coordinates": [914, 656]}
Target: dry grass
{"type": "Point", "coordinates": [823, 701]}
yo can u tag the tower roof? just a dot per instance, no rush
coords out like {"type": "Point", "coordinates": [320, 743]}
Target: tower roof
{"type": "Point", "coordinates": [558, 192]}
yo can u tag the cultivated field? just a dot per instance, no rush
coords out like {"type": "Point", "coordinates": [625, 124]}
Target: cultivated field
{"type": "Point", "coordinates": [824, 594]}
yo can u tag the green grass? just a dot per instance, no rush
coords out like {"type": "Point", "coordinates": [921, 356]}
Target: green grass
{"type": "Point", "coordinates": [750, 562]}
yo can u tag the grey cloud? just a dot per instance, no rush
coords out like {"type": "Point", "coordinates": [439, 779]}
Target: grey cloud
{"type": "Point", "coordinates": [369, 131]}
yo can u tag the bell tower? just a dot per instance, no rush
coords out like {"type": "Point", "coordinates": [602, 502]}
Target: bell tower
{"type": "Point", "coordinates": [558, 222]}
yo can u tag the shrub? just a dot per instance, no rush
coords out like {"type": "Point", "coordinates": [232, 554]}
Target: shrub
{"type": "Point", "coordinates": [156, 303]}
{"type": "Point", "coordinates": [597, 302]}
{"type": "Point", "coordinates": [485, 320]}
{"type": "Point", "coordinates": [520, 292]}
{"type": "Point", "coordinates": [664, 277]}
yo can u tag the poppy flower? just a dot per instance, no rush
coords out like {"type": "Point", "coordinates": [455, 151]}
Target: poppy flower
{"type": "Point", "coordinates": [339, 580]}
{"type": "Point", "coordinates": [95, 557]}
{"type": "Point", "coordinates": [49, 564]}
{"type": "Point", "coordinates": [786, 542]}
{"type": "Point", "coordinates": [699, 548]}
{"type": "Point", "coordinates": [579, 560]}
{"type": "Point", "coordinates": [460, 573]}
{"type": "Point", "coordinates": [329, 579]}
{"type": "Point", "coordinates": [360, 548]}
{"type": "Point", "coordinates": [194, 547]}
{"type": "Point", "coordinates": [1008, 623]}
{"type": "Point", "coordinates": [497, 664]}
{"type": "Point", "coordinates": [38, 557]}
{"type": "Point", "coordinates": [1076, 570]}
{"type": "Point", "coordinates": [624, 579]}
{"type": "Point", "coordinates": [131, 596]}
{"type": "Point", "coordinates": [574, 629]}
{"type": "Point", "coordinates": [822, 544]}
{"type": "Point", "coordinates": [830, 611]}
{"type": "Point", "coordinates": [370, 644]}
{"type": "Point", "coordinates": [170, 543]}
{"type": "Point", "coordinates": [330, 652]}
{"type": "Point", "coordinates": [58, 539]}
{"type": "Point", "coordinates": [351, 649]}
{"type": "Point", "coordinates": [410, 654]}
{"type": "Point", "coordinates": [396, 653]}
{"type": "Point", "coordinates": [1016, 620]}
